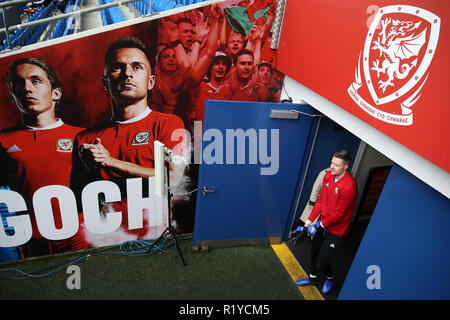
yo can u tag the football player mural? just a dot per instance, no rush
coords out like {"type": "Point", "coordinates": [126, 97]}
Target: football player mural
{"type": "Point", "coordinates": [79, 118]}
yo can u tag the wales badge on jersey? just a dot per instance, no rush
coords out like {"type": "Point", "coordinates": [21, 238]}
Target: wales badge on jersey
{"type": "Point", "coordinates": [64, 145]}
{"type": "Point", "coordinates": [141, 138]}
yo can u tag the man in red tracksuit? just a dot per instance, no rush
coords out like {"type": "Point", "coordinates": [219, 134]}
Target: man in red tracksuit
{"type": "Point", "coordinates": [335, 206]}
{"type": "Point", "coordinates": [38, 152]}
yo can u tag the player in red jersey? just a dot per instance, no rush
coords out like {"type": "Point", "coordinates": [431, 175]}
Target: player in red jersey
{"type": "Point", "coordinates": [335, 206]}
{"type": "Point", "coordinates": [264, 83]}
{"type": "Point", "coordinates": [242, 85]}
{"type": "Point", "coordinates": [214, 89]}
{"type": "Point", "coordinates": [40, 148]}
{"type": "Point", "coordinates": [123, 147]}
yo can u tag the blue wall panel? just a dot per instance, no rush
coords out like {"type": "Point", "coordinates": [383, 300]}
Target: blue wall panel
{"type": "Point", "coordinates": [408, 238]}
{"type": "Point", "coordinates": [248, 204]}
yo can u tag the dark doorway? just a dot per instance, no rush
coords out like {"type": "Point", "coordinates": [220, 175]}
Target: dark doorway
{"type": "Point", "coordinates": [370, 170]}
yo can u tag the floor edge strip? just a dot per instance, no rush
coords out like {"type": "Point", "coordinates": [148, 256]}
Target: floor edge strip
{"type": "Point", "coordinates": [296, 271]}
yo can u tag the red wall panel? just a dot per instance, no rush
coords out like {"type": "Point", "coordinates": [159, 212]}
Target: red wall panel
{"type": "Point", "coordinates": [320, 47]}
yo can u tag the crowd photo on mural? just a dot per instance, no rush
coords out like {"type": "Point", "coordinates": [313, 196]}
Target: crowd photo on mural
{"type": "Point", "coordinates": [215, 53]}
{"type": "Point", "coordinates": [57, 138]}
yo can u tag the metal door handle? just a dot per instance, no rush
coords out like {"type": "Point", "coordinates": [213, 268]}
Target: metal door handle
{"type": "Point", "coordinates": [205, 190]}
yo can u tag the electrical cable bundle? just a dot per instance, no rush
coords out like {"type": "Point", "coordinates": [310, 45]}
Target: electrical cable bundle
{"type": "Point", "coordinates": [141, 247]}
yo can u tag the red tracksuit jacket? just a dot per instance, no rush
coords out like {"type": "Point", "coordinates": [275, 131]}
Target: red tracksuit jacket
{"type": "Point", "coordinates": [336, 204]}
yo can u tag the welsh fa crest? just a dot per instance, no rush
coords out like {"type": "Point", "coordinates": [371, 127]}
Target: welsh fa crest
{"type": "Point", "coordinates": [398, 50]}
{"type": "Point", "coordinates": [64, 145]}
{"type": "Point", "coordinates": [141, 138]}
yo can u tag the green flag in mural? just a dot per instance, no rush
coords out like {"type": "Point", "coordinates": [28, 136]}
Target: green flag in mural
{"type": "Point", "coordinates": [240, 21]}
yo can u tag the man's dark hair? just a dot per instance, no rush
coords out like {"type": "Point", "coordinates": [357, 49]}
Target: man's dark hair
{"type": "Point", "coordinates": [51, 74]}
{"type": "Point", "coordinates": [225, 59]}
{"type": "Point", "coordinates": [267, 64]}
{"type": "Point", "coordinates": [184, 19]}
{"type": "Point", "coordinates": [128, 42]}
{"type": "Point", "coordinates": [344, 155]}
{"type": "Point", "coordinates": [164, 48]}
{"type": "Point", "coordinates": [242, 52]}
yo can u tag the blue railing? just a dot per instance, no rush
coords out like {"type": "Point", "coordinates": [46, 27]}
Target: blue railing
{"type": "Point", "coordinates": [111, 15]}
{"type": "Point", "coordinates": [162, 5]}
{"type": "Point", "coordinates": [32, 34]}
{"type": "Point", "coordinates": [66, 26]}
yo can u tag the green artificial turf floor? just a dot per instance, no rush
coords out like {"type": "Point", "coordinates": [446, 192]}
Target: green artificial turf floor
{"type": "Point", "coordinates": [248, 273]}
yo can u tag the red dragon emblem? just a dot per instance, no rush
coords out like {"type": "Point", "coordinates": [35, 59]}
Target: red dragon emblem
{"type": "Point", "coordinates": [398, 50]}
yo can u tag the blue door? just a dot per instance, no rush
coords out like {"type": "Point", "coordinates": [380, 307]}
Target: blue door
{"type": "Point", "coordinates": [251, 164]}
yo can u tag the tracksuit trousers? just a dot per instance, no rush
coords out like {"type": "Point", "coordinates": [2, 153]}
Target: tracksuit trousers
{"type": "Point", "coordinates": [323, 249]}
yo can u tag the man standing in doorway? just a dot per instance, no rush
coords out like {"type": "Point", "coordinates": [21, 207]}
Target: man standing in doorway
{"type": "Point", "coordinates": [335, 206]}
